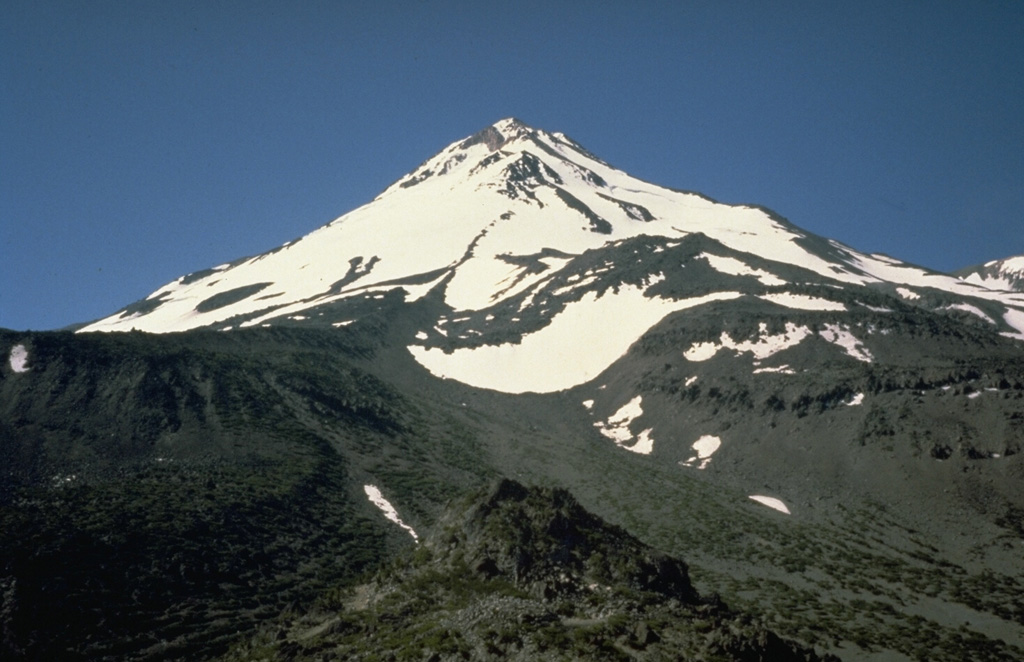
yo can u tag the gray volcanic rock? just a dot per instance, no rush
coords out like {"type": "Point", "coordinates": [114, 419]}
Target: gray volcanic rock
{"type": "Point", "coordinates": [545, 542]}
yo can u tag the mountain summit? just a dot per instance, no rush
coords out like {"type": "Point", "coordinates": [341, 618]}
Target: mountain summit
{"type": "Point", "coordinates": [525, 226]}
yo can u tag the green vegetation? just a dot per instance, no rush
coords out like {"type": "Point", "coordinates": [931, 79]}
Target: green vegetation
{"type": "Point", "coordinates": [190, 494]}
{"type": "Point", "coordinates": [172, 491]}
{"type": "Point", "coordinates": [521, 574]}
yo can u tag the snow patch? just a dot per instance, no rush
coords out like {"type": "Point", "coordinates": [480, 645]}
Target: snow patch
{"type": "Point", "coordinates": [855, 400]}
{"type": "Point", "coordinates": [705, 447]}
{"type": "Point", "coordinates": [910, 295]}
{"type": "Point", "coordinates": [19, 358]}
{"type": "Point", "coordinates": [654, 279]}
{"type": "Point", "coordinates": [574, 286]}
{"type": "Point", "coordinates": [702, 351]}
{"type": "Point", "coordinates": [690, 380]}
{"type": "Point", "coordinates": [771, 502]}
{"type": "Point", "coordinates": [616, 428]}
{"type": "Point", "coordinates": [589, 404]}
{"type": "Point", "coordinates": [564, 353]}
{"type": "Point", "coordinates": [782, 370]}
{"type": "Point", "coordinates": [841, 336]}
{"type": "Point", "coordinates": [377, 499]}
{"type": "Point", "coordinates": [802, 301]}
{"type": "Point", "coordinates": [734, 267]}
{"type": "Point", "coordinates": [644, 443]}
{"type": "Point", "coordinates": [764, 346]}
{"type": "Point", "coordinates": [1015, 319]}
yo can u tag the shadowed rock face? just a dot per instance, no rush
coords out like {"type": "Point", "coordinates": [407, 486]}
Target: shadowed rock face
{"type": "Point", "coordinates": [544, 541]}
{"type": "Point", "coordinates": [489, 136]}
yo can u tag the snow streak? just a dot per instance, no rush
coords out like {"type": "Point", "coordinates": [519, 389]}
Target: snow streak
{"type": "Point", "coordinates": [377, 499]}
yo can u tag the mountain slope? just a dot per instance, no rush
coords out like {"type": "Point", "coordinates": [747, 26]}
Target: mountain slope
{"type": "Point", "coordinates": [511, 212]}
{"type": "Point", "coordinates": [1006, 274]}
{"type": "Point", "coordinates": [161, 494]}
{"type": "Point", "coordinates": [904, 513]}
{"type": "Point", "coordinates": [832, 440]}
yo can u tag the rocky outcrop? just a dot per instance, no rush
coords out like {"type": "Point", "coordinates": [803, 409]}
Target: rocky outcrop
{"type": "Point", "coordinates": [524, 573]}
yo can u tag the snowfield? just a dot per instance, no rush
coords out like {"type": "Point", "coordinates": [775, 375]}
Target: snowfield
{"type": "Point", "coordinates": [1006, 275]}
{"type": "Point", "coordinates": [555, 358]}
{"type": "Point", "coordinates": [486, 220]}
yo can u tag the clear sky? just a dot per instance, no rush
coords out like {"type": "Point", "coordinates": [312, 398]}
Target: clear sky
{"type": "Point", "coordinates": [143, 140]}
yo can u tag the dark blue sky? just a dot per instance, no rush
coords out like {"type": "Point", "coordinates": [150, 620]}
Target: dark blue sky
{"type": "Point", "coordinates": [143, 140]}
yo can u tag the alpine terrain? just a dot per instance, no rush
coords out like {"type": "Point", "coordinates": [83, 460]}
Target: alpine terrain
{"type": "Point", "coordinates": [524, 405]}
{"type": "Point", "coordinates": [1005, 274]}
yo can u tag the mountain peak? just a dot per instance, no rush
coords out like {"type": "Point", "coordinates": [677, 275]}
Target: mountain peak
{"type": "Point", "coordinates": [480, 225]}
{"type": "Point", "coordinates": [496, 135]}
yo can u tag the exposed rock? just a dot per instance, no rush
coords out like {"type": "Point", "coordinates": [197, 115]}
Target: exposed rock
{"type": "Point", "coordinates": [527, 574]}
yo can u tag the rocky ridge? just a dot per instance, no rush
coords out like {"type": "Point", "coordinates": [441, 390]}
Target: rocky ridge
{"type": "Point", "coordinates": [524, 573]}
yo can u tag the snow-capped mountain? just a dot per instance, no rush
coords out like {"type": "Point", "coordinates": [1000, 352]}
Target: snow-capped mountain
{"type": "Point", "coordinates": [834, 439]}
{"type": "Point", "coordinates": [1006, 274]}
{"type": "Point", "coordinates": [527, 240]}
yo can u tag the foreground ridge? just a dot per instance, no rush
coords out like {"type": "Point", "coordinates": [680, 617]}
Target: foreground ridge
{"type": "Point", "coordinates": [520, 573]}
